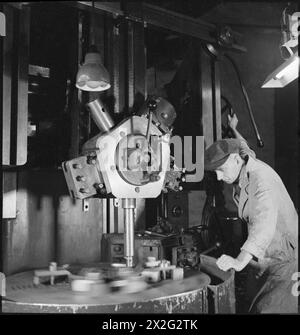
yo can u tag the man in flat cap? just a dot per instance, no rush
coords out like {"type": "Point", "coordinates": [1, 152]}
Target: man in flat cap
{"type": "Point", "coordinates": [264, 203]}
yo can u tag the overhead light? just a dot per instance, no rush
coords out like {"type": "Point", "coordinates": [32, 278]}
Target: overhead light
{"type": "Point", "coordinates": [2, 24]}
{"type": "Point", "coordinates": [284, 74]}
{"type": "Point", "coordinates": [92, 76]}
{"type": "Point", "coordinates": [289, 70]}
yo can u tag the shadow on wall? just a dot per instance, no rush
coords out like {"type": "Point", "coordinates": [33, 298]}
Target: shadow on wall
{"type": "Point", "coordinates": [50, 226]}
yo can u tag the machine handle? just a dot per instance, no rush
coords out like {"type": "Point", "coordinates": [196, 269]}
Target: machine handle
{"type": "Point", "coordinates": [214, 247]}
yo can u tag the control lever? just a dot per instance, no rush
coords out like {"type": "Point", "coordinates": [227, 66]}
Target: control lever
{"type": "Point", "coordinates": [152, 105]}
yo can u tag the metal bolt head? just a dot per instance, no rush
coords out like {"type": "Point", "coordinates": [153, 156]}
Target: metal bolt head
{"type": "Point", "coordinates": [98, 185]}
{"type": "Point", "coordinates": [137, 189]}
{"type": "Point", "coordinates": [122, 133]}
{"type": "Point", "coordinates": [146, 158]}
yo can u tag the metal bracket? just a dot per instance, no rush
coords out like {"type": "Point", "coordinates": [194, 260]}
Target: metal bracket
{"type": "Point", "coordinates": [157, 16]}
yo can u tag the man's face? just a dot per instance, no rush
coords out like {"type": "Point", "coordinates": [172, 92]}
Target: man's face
{"type": "Point", "coordinates": [230, 170]}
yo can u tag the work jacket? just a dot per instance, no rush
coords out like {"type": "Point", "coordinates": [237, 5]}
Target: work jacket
{"type": "Point", "coordinates": [264, 203]}
{"type": "Point", "coordinates": [266, 206]}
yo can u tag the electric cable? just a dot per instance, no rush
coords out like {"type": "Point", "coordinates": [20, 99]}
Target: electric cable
{"type": "Point", "coordinates": [260, 142]}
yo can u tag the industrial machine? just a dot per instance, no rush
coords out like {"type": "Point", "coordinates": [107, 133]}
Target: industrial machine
{"type": "Point", "coordinates": [128, 161]}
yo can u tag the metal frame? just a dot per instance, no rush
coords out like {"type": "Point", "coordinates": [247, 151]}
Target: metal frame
{"type": "Point", "coordinates": [15, 97]}
{"type": "Point", "coordinates": [160, 17]}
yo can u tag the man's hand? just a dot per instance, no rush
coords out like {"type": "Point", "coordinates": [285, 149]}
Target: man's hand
{"type": "Point", "coordinates": [232, 121]}
{"type": "Point", "coordinates": [232, 124]}
{"type": "Point", "coordinates": [226, 262]}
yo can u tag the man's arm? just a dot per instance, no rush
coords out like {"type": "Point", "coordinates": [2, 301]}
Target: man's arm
{"type": "Point", "coordinates": [263, 214]}
{"type": "Point", "coordinates": [226, 262]}
{"type": "Point", "coordinates": [232, 124]}
{"type": "Point", "coordinates": [261, 226]}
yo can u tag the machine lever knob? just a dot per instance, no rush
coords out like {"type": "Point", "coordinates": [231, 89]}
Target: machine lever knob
{"type": "Point", "coordinates": [214, 247]}
{"type": "Point", "coordinates": [152, 104]}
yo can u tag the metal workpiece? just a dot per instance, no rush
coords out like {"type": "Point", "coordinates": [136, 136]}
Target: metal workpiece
{"type": "Point", "coordinates": [129, 206]}
{"type": "Point", "coordinates": [222, 288]}
{"type": "Point", "coordinates": [100, 115]}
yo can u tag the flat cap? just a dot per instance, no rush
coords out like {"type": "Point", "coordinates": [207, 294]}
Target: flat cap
{"type": "Point", "coordinates": [217, 153]}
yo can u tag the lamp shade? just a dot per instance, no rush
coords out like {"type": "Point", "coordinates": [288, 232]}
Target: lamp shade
{"type": "Point", "coordinates": [92, 76]}
{"type": "Point", "coordinates": [284, 74]}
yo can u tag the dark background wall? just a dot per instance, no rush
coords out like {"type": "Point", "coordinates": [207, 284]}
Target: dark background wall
{"type": "Point", "coordinates": [275, 110]}
{"type": "Point", "coordinates": [49, 226]}
{"type": "Point", "coordinates": [257, 25]}
{"type": "Point", "coordinates": [287, 137]}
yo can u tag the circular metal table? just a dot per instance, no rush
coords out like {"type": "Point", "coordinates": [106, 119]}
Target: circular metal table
{"type": "Point", "coordinates": [181, 296]}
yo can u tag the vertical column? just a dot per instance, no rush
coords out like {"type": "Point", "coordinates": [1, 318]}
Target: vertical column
{"type": "Point", "coordinates": [135, 72]}
{"type": "Point", "coordinates": [15, 85]}
{"type": "Point", "coordinates": [5, 59]}
{"type": "Point", "coordinates": [206, 96]}
{"type": "Point", "coordinates": [22, 87]}
{"type": "Point", "coordinates": [217, 100]}
{"type": "Point", "coordinates": [130, 65]}
{"type": "Point", "coordinates": [77, 51]}
{"type": "Point", "coordinates": [104, 215]}
{"type": "Point", "coordinates": [140, 65]}
{"type": "Point", "coordinates": [210, 96]}
{"type": "Point", "coordinates": [129, 206]}
{"type": "Point", "coordinates": [114, 50]}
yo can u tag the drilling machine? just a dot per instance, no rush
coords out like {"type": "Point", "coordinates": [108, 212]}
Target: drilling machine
{"type": "Point", "coordinates": [127, 161]}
